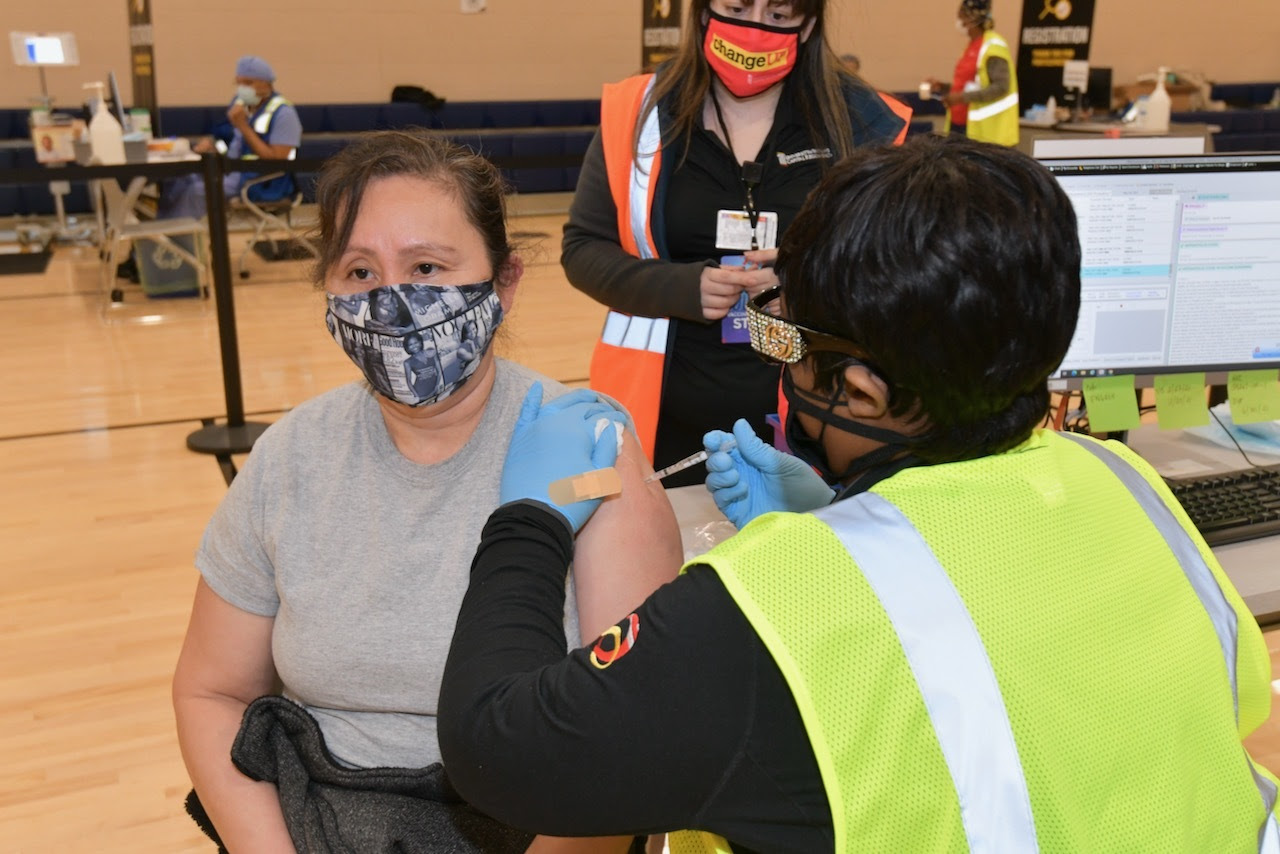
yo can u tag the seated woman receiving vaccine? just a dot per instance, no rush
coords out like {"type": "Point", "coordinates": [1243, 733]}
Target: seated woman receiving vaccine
{"type": "Point", "coordinates": [338, 560]}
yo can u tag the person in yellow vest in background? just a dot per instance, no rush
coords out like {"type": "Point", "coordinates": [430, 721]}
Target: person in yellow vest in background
{"type": "Point", "coordinates": [988, 637]}
{"type": "Point", "coordinates": [261, 124]}
{"type": "Point", "coordinates": [982, 99]}
{"type": "Point", "coordinates": [695, 174]}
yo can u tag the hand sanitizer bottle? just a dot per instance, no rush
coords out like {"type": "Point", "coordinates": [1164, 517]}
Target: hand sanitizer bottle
{"type": "Point", "coordinates": [106, 137]}
{"type": "Point", "coordinates": [1159, 106]}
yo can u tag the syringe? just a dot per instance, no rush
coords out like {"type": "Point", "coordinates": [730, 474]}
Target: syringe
{"type": "Point", "coordinates": [691, 460]}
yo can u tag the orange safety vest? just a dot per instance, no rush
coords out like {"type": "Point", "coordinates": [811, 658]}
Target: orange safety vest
{"type": "Point", "coordinates": [629, 356]}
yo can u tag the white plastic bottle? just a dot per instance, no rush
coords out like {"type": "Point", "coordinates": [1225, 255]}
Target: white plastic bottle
{"type": "Point", "coordinates": [106, 137]}
{"type": "Point", "coordinates": [1159, 106]}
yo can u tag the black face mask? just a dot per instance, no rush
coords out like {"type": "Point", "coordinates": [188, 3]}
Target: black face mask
{"type": "Point", "coordinates": [875, 465]}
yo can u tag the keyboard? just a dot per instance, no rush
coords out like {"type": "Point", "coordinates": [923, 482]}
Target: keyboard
{"type": "Point", "coordinates": [1232, 506]}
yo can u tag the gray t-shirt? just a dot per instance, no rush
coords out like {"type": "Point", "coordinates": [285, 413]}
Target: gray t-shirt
{"type": "Point", "coordinates": [362, 557]}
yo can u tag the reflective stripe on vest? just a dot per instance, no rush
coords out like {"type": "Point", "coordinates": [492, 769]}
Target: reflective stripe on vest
{"type": "Point", "coordinates": [989, 42]}
{"type": "Point", "coordinates": [635, 333]}
{"type": "Point", "coordinates": [626, 330]}
{"type": "Point", "coordinates": [262, 124]}
{"type": "Point", "coordinates": [1008, 102]}
{"type": "Point", "coordinates": [951, 667]}
{"type": "Point", "coordinates": [1208, 591]}
{"type": "Point", "coordinates": [649, 143]}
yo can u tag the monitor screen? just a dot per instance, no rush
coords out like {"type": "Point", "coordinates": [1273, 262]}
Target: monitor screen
{"type": "Point", "coordinates": [44, 48]}
{"type": "Point", "coordinates": [116, 105]}
{"type": "Point", "coordinates": [1181, 266]}
{"type": "Point", "coordinates": [1098, 97]}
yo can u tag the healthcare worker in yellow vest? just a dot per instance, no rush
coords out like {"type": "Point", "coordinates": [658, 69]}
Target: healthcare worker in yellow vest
{"type": "Point", "coordinates": [982, 98]}
{"type": "Point", "coordinates": [988, 637]}
{"type": "Point", "coordinates": [261, 124]}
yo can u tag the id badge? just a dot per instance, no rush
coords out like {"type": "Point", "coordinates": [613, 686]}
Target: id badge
{"type": "Point", "coordinates": [733, 230]}
{"type": "Point", "coordinates": [733, 326]}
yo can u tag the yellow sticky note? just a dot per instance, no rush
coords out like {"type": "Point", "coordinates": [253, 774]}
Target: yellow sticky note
{"type": "Point", "coordinates": [1180, 401]}
{"type": "Point", "coordinates": [1254, 396]}
{"type": "Point", "coordinates": [1112, 403]}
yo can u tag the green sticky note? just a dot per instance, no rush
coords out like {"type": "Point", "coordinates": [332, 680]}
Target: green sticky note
{"type": "Point", "coordinates": [1112, 403]}
{"type": "Point", "coordinates": [1254, 396]}
{"type": "Point", "coordinates": [1180, 401]}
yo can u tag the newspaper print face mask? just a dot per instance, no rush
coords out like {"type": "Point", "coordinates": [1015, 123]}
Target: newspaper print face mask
{"type": "Point", "coordinates": [416, 344]}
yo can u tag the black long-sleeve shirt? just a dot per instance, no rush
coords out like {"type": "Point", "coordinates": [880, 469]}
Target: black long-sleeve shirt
{"type": "Point", "coordinates": [693, 727]}
{"type": "Point", "coordinates": [707, 383]}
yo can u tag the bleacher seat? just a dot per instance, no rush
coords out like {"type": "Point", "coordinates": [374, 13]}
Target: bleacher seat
{"type": "Point", "coordinates": [1244, 95]}
{"type": "Point", "coordinates": [351, 118]}
{"type": "Point", "coordinates": [489, 145]}
{"type": "Point", "coordinates": [542, 127]}
{"type": "Point", "coordinates": [1197, 117]}
{"type": "Point", "coordinates": [10, 195]}
{"type": "Point", "coordinates": [537, 179]}
{"type": "Point", "coordinates": [461, 115]}
{"type": "Point", "coordinates": [313, 118]}
{"type": "Point", "coordinates": [1248, 121]}
{"type": "Point", "coordinates": [1262, 93]}
{"type": "Point", "coordinates": [510, 114]}
{"type": "Point", "coordinates": [13, 124]}
{"type": "Point", "coordinates": [577, 141]}
{"type": "Point", "coordinates": [190, 121]}
{"type": "Point", "coordinates": [563, 114]}
{"type": "Point", "coordinates": [319, 149]}
{"type": "Point", "coordinates": [402, 115]}
{"type": "Point", "coordinates": [919, 106]}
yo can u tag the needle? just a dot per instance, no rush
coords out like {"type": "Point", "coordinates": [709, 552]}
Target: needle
{"type": "Point", "coordinates": [687, 462]}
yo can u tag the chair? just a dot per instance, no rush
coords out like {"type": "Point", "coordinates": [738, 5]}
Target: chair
{"type": "Point", "coordinates": [121, 227]}
{"type": "Point", "coordinates": [269, 218]}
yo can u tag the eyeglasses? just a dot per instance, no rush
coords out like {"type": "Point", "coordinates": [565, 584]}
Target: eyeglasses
{"type": "Point", "coordinates": [785, 341]}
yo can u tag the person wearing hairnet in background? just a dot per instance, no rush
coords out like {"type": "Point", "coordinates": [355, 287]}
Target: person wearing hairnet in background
{"type": "Point", "coordinates": [261, 124]}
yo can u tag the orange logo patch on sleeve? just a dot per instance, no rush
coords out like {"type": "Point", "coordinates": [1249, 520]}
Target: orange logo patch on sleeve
{"type": "Point", "coordinates": [615, 643]}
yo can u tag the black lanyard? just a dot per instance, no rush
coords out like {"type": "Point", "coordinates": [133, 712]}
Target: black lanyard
{"type": "Point", "coordinates": [752, 172]}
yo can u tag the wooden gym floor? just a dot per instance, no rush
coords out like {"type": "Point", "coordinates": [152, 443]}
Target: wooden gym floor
{"type": "Point", "coordinates": [102, 505]}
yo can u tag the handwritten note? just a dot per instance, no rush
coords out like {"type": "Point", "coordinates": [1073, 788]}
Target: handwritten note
{"type": "Point", "coordinates": [1112, 403]}
{"type": "Point", "coordinates": [1180, 401]}
{"type": "Point", "coordinates": [1254, 396]}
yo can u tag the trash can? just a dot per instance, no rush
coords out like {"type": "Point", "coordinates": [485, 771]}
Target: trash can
{"type": "Point", "coordinates": [165, 273]}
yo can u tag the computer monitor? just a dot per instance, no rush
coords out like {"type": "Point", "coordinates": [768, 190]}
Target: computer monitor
{"type": "Point", "coordinates": [116, 104]}
{"type": "Point", "coordinates": [1098, 96]}
{"type": "Point", "coordinates": [44, 48]}
{"type": "Point", "coordinates": [1181, 266]}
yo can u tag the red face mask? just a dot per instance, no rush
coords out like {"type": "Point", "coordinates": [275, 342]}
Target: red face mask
{"type": "Point", "coordinates": [748, 57]}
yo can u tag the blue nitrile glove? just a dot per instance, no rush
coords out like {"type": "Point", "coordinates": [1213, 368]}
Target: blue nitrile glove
{"type": "Point", "coordinates": [756, 478]}
{"type": "Point", "coordinates": [568, 436]}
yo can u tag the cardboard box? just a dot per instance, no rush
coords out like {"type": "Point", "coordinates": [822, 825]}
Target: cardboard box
{"type": "Point", "coordinates": [1182, 96]}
